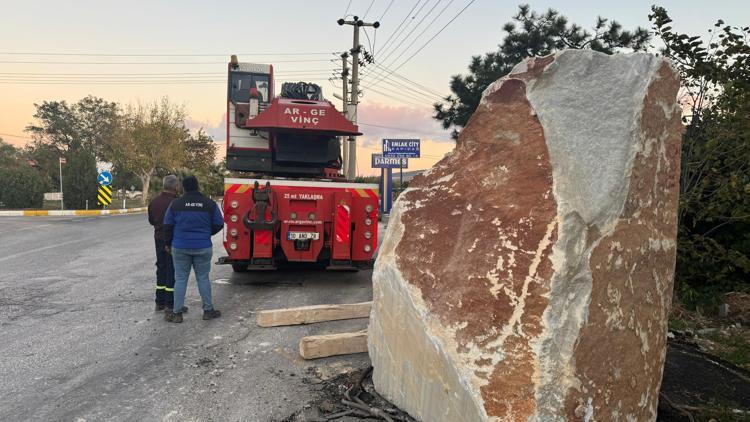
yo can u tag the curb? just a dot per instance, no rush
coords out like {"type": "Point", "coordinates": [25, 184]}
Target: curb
{"type": "Point", "coordinates": [41, 213]}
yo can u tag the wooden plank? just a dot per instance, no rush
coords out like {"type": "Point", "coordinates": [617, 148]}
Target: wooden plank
{"type": "Point", "coordinates": [313, 347]}
{"type": "Point", "coordinates": [312, 314]}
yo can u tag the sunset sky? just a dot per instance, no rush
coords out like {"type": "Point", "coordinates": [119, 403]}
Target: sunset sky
{"type": "Point", "coordinates": [139, 51]}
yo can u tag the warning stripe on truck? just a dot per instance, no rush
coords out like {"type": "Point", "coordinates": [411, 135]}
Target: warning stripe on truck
{"type": "Point", "coordinates": [368, 191]}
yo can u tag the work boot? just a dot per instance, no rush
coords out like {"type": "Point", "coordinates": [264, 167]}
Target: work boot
{"type": "Point", "coordinates": [158, 308]}
{"type": "Point", "coordinates": [173, 317]}
{"type": "Point", "coordinates": [184, 310]}
{"type": "Point", "coordinates": [213, 313]}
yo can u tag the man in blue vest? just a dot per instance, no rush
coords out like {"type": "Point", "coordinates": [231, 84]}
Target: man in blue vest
{"type": "Point", "coordinates": [189, 223]}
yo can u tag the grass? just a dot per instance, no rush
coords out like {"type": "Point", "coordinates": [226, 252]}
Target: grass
{"type": "Point", "coordinates": [733, 347]}
{"type": "Point", "coordinates": [677, 324]}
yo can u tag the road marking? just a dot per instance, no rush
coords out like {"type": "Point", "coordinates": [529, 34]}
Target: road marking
{"type": "Point", "coordinates": [44, 248]}
{"type": "Point", "coordinates": [33, 227]}
{"type": "Point", "coordinates": [222, 281]}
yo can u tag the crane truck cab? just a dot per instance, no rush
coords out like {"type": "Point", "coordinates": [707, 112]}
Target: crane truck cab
{"type": "Point", "coordinates": [289, 201]}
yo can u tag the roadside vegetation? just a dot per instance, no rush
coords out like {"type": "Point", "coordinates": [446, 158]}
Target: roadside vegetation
{"type": "Point", "coordinates": [142, 142]}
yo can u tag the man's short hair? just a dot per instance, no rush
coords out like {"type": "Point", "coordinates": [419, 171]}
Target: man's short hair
{"type": "Point", "coordinates": [190, 184]}
{"type": "Point", "coordinates": [170, 182]}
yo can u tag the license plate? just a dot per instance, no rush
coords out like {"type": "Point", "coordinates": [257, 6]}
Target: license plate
{"type": "Point", "coordinates": [302, 236]}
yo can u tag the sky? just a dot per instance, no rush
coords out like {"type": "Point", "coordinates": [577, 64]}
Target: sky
{"type": "Point", "coordinates": [140, 51]}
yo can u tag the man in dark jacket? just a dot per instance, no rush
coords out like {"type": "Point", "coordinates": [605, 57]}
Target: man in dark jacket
{"type": "Point", "coordinates": [189, 223]}
{"type": "Point", "coordinates": [164, 267]}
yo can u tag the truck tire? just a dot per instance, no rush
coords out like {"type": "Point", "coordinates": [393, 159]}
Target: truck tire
{"type": "Point", "coordinates": [239, 268]}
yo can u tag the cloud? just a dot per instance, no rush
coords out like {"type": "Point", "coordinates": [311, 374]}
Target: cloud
{"type": "Point", "coordinates": [218, 131]}
{"type": "Point", "coordinates": [379, 120]}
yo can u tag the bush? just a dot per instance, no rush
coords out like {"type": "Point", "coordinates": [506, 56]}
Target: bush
{"type": "Point", "coordinates": [21, 187]}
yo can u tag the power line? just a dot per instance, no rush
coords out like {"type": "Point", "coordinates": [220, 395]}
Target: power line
{"type": "Point", "coordinates": [393, 97]}
{"type": "Point", "coordinates": [385, 44]}
{"type": "Point", "coordinates": [368, 9]}
{"type": "Point", "coordinates": [393, 49]}
{"type": "Point", "coordinates": [15, 136]}
{"type": "Point", "coordinates": [405, 95]}
{"type": "Point", "coordinates": [130, 77]}
{"type": "Point", "coordinates": [429, 25]}
{"type": "Point", "coordinates": [26, 53]}
{"type": "Point", "coordinates": [428, 41]}
{"type": "Point", "coordinates": [347, 8]}
{"type": "Point", "coordinates": [417, 84]}
{"type": "Point", "coordinates": [386, 10]}
{"type": "Point", "coordinates": [145, 63]}
{"type": "Point", "coordinates": [390, 48]}
{"type": "Point", "coordinates": [425, 96]}
{"type": "Point", "coordinates": [180, 82]}
{"type": "Point", "coordinates": [151, 74]}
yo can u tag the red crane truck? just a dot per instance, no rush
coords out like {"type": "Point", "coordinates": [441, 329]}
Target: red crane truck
{"type": "Point", "coordinates": [290, 202]}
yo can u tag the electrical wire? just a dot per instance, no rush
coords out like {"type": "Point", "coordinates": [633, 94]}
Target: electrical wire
{"type": "Point", "coordinates": [368, 9]}
{"type": "Point", "coordinates": [394, 97]}
{"type": "Point", "coordinates": [429, 25]}
{"type": "Point", "coordinates": [26, 53]}
{"type": "Point", "coordinates": [150, 74]}
{"type": "Point", "coordinates": [347, 8]}
{"type": "Point", "coordinates": [385, 45]}
{"type": "Point", "coordinates": [406, 95]}
{"type": "Point", "coordinates": [424, 96]}
{"type": "Point", "coordinates": [408, 23]}
{"type": "Point", "coordinates": [386, 10]}
{"type": "Point", "coordinates": [15, 136]}
{"type": "Point", "coordinates": [147, 63]}
{"type": "Point", "coordinates": [417, 84]}
{"type": "Point", "coordinates": [414, 28]}
{"type": "Point", "coordinates": [428, 41]}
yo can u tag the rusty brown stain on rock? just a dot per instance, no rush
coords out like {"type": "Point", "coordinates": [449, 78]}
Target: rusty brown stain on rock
{"type": "Point", "coordinates": [632, 271]}
{"type": "Point", "coordinates": [473, 230]}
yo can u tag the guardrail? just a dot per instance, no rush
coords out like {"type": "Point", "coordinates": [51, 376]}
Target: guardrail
{"type": "Point", "coordinates": [39, 213]}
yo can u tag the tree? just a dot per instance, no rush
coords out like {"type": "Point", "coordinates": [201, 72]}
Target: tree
{"type": "Point", "coordinates": [713, 254]}
{"type": "Point", "coordinates": [22, 186]}
{"type": "Point", "coordinates": [529, 34]}
{"type": "Point", "coordinates": [148, 138]}
{"type": "Point", "coordinates": [199, 151]}
{"type": "Point", "coordinates": [88, 124]}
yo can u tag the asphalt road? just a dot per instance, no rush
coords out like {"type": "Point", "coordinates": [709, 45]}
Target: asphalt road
{"type": "Point", "coordinates": [79, 340]}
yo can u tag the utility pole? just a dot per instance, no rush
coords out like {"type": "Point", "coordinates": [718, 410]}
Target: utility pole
{"type": "Point", "coordinates": [60, 162]}
{"type": "Point", "coordinates": [345, 99]}
{"type": "Point", "coordinates": [356, 23]}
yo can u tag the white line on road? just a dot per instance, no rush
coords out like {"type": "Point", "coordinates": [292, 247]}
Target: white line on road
{"type": "Point", "coordinates": [33, 227]}
{"type": "Point", "coordinates": [44, 248]}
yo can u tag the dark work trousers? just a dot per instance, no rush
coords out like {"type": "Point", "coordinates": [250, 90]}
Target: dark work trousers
{"type": "Point", "coordinates": [164, 276]}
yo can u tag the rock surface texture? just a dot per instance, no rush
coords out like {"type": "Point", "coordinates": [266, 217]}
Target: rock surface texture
{"type": "Point", "coordinates": [528, 275]}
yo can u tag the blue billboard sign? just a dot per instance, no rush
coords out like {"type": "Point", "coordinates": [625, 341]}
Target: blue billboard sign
{"type": "Point", "coordinates": [380, 162]}
{"type": "Point", "coordinates": [401, 148]}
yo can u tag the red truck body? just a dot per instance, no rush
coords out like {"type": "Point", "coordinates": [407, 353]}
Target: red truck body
{"type": "Point", "coordinates": [291, 203]}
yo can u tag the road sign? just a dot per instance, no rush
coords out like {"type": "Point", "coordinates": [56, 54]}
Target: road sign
{"type": "Point", "coordinates": [401, 148]}
{"type": "Point", "coordinates": [380, 162]}
{"type": "Point", "coordinates": [104, 195]}
{"type": "Point", "coordinates": [104, 178]}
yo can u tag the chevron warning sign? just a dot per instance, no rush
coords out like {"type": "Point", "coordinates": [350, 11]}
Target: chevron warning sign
{"type": "Point", "coordinates": [104, 196]}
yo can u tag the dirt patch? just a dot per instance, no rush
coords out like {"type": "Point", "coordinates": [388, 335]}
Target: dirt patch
{"type": "Point", "coordinates": [332, 394]}
{"type": "Point", "coordinates": [702, 386]}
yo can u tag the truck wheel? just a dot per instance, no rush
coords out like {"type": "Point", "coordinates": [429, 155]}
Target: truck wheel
{"type": "Point", "coordinates": [239, 268]}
